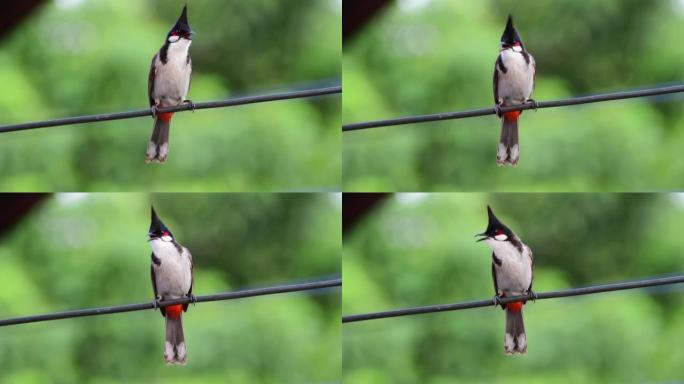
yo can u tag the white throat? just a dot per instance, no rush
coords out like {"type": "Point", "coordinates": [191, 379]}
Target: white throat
{"type": "Point", "coordinates": [179, 49]}
{"type": "Point", "coordinates": [502, 248]}
{"type": "Point", "coordinates": [163, 249]}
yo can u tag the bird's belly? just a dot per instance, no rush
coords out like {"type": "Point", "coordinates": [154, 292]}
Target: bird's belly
{"type": "Point", "coordinates": [516, 85]}
{"type": "Point", "coordinates": [173, 278]}
{"type": "Point", "coordinates": [514, 276]}
{"type": "Point", "coordinates": [171, 83]}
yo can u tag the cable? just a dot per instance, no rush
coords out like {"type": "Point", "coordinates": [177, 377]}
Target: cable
{"type": "Point", "coordinates": [199, 299]}
{"type": "Point", "coordinates": [181, 108]}
{"type": "Point", "coordinates": [539, 296]}
{"type": "Point", "coordinates": [529, 105]}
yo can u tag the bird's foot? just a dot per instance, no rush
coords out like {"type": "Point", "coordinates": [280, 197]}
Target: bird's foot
{"type": "Point", "coordinates": [155, 304]}
{"type": "Point", "coordinates": [193, 299]}
{"type": "Point", "coordinates": [533, 295]}
{"type": "Point", "coordinates": [191, 104]}
{"type": "Point", "coordinates": [497, 301]}
{"type": "Point", "coordinates": [535, 104]}
{"type": "Point", "coordinates": [497, 109]}
{"type": "Point", "coordinates": [154, 110]}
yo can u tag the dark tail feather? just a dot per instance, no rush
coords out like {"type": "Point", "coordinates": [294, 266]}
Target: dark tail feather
{"type": "Point", "coordinates": [508, 151]}
{"type": "Point", "coordinates": [175, 351]}
{"type": "Point", "coordinates": [515, 341]}
{"type": "Point", "coordinates": [158, 147]}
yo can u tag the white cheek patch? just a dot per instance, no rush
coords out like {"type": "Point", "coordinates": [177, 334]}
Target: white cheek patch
{"type": "Point", "coordinates": [173, 39]}
{"type": "Point", "coordinates": [166, 238]}
{"type": "Point", "coordinates": [517, 48]}
{"type": "Point", "coordinates": [501, 237]}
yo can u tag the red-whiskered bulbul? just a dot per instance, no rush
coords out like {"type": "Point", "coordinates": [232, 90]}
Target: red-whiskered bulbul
{"type": "Point", "coordinates": [512, 265]}
{"type": "Point", "coordinates": [514, 74]}
{"type": "Point", "coordinates": [168, 84]}
{"type": "Point", "coordinates": [171, 279]}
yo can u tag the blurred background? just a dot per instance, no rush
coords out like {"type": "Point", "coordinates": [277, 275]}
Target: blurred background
{"type": "Point", "coordinates": [64, 58]}
{"type": "Point", "coordinates": [409, 250]}
{"type": "Point", "coordinates": [70, 251]}
{"type": "Point", "coordinates": [410, 57]}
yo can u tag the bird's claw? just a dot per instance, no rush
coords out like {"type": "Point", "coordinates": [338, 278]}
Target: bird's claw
{"type": "Point", "coordinates": [497, 109]}
{"type": "Point", "coordinates": [193, 299]}
{"type": "Point", "coordinates": [497, 301]}
{"type": "Point", "coordinates": [533, 295]}
{"type": "Point", "coordinates": [154, 110]}
{"type": "Point", "coordinates": [191, 104]}
{"type": "Point", "coordinates": [155, 304]}
{"type": "Point", "coordinates": [535, 104]}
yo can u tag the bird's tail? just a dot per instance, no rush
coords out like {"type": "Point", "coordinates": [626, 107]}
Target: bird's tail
{"type": "Point", "coordinates": [174, 342]}
{"type": "Point", "coordinates": [508, 151]}
{"type": "Point", "coordinates": [515, 341]}
{"type": "Point", "coordinates": [158, 147]}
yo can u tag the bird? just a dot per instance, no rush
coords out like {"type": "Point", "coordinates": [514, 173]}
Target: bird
{"type": "Point", "coordinates": [168, 85]}
{"type": "Point", "coordinates": [512, 272]}
{"type": "Point", "coordinates": [172, 278]}
{"type": "Point", "coordinates": [514, 77]}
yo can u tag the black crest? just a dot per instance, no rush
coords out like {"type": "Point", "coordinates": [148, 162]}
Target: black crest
{"type": "Point", "coordinates": [182, 28]}
{"type": "Point", "coordinates": [157, 227]}
{"type": "Point", "coordinates": [494, 225]}
{"type": "Point", "coordinates": [510, 34]}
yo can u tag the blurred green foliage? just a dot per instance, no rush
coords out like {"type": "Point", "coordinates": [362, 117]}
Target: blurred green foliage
{"type": "Point", "coordinates": [77, 251]}
{"type": "Point", "coordinates": [428, 56]}
{"type": "Point", "coordinates": [419, 249]}
{"type": "Point", "coordinates": [75, 57]}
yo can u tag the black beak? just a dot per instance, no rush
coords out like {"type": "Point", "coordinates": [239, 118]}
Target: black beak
{"type": "Point", "coordinates": [484, 236]}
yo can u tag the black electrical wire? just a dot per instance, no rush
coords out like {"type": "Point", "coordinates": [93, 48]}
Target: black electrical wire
{"type": "Point", "coordinates": [181, 108]}
{"type": "Point", "coordinates": [538, 296]}
{"type": "Point", "coordinates": [529, 105]}
{"type": "Point", "coordinates": [150, 305]}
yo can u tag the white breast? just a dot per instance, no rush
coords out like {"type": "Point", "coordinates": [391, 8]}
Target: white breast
{"type": "Point", "coordinates": [174, 276]}
{"type": "Point", "coordinates": [516, 85]}
{"type": "Point", "coordinates": [514, 275]}
{"type": "Point", "coordinates": [172, 79]}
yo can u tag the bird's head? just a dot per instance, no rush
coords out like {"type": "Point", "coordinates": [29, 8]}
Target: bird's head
{"type": "Point", "coordinates": [496, 232]}
{"type": "Point", "coordinates": [181, 30]}
{"type": "Point", "coordinates": [510, 39]}
{"type": "Point", "coordinates": [158, 231]}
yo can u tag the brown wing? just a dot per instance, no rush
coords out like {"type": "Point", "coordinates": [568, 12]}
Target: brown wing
{"type": "Point", "coordinates": [534, 75]}
{"type": "Point", "coordinates": [192, 278]}
{"type": "Point", "coordinates": [529, 289]}
{"type": "Point", "coordinates": [496, 288]}
{"type": "Point", "coordinates": [189, 63]}
{"type": "Point", "coordinates": [498, 66]}
{"type": "Point", "coordinates": [496, 83]}
{"type": "Point", "coordinates": [154, 286]}
{"type": "Point", "coordinates": [150, 80]}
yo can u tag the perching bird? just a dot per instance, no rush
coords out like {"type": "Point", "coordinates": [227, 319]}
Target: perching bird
{"type": "Point", "coordinates": [512, 265]}
{"type": "Point", "coordinates": [514, 74]}
{"type": "Point", "coordinates": [168, 85]}
{"type": "Point", "coordinates": [171, 279]}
